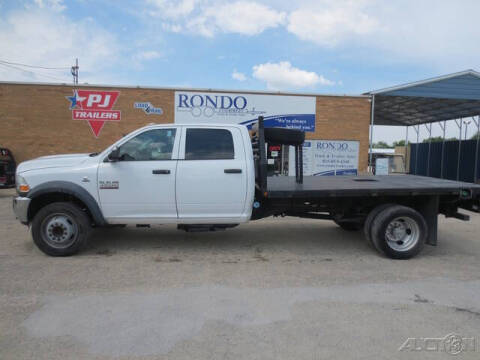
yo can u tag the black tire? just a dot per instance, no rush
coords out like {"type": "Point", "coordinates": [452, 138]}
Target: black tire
{"type": "Point", "coordinates": [367, 227]}
{"type": "Point", "coordinates": [60, 229]}
{"type": "Point", "coordinates": [413, 225]}
{"type": "Point", "coordinates": [284, 136]}
{"type": "Point", "coordinates": [349, 225]}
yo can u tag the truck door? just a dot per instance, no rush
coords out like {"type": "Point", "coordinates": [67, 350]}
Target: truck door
{"type": "Point", "coordinates": [211, 174]}
{"type": "Point", "coordinates": [141, 185]}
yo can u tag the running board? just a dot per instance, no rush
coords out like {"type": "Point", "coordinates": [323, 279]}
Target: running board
{"type": "Point", "coordinates": [204, 227]}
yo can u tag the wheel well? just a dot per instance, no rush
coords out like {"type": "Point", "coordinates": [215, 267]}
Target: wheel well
{"type": "Point", "coordinates": [45, 199]}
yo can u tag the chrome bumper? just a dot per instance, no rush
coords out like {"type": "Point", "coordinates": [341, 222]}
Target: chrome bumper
{"type": "Point", "coordinates": [20, 208]}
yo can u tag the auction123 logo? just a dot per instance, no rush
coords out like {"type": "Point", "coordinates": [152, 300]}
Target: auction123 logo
{"type": "Point", "coordinates": [94, 106]}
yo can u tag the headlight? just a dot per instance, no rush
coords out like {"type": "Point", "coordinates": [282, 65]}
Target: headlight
{"type": "Point", "coordinates": [22, 185]}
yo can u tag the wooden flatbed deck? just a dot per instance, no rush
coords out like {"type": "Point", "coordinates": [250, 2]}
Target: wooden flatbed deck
{"type": "Point", "coordinates": [341, 186]}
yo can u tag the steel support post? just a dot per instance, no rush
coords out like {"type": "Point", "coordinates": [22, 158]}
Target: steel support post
{"type": "Point", "coordinates": [459, 124]}
{"type": "Point", "coordinates": [429, 129]}
{"type": "Point", "coordinates": [406, 150]}
{"type": "Point", "coordinates": [372, 116]}
{"type": "Point", "coordinates": [417, 130]}
{"type": "Point", "coordinates": [444, 127]}
{"type": "Point", "coordinates": [476, 122]}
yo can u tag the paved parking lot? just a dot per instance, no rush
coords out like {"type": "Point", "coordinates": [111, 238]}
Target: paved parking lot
{"type": "Point", "coordinates": [272, 289]}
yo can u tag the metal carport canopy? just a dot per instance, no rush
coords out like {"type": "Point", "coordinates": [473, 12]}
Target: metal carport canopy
{"type": "Point", "coordinates": [442, 98]}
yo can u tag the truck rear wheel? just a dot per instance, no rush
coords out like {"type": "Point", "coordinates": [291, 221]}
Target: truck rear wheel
{"type": "Point", "coordinates": [371, 216]}
{"type": "Point", "coordinates": [60, 229]}
{"type": "Point", "coordinates": [399, 232]}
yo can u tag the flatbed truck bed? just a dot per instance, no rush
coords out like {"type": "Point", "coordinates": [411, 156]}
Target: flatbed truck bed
{"type": "Point", "coordinates": [357, 186]}
{"type": "Point", "coordinates": [398, 213]}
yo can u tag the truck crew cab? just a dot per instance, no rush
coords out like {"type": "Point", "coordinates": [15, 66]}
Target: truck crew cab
{"type": "Point", "coordinates": [208, 177]}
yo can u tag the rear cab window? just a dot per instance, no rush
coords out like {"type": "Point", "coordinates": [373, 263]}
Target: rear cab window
{"type": "Point", "coordinates": [209, 144]}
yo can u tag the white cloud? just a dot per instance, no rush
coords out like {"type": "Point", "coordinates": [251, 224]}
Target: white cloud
{"type": "Point", "coordinates": [38, 36]}
{"type": "Point", "coordinates": [55, 5]}
{"type": "Point", "coordinates": [283, 75]}
{"type": "Point", "coordinates": [332, 22]}
{"type": "Point", "coordinates": [242, 17]}
{"type": "Point", "coordinates": [441, 34]}
{"type": "Point", "coordinates": [238, 75]}
{"type": "Point", "coordinates": [431, 33]}
{"type": "Point", "coordinates": [147, 55]}
{"type": "Point", "coordinates": [208, 18]}
{"type": "Point", "coordinates": [175, 28]}
{"type": "Point", "coordinates": [172, 9]}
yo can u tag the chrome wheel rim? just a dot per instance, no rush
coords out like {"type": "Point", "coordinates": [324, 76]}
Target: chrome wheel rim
{"type": "Point", "coordinates": [402, 233]}
{"type": "Point", "coordinates": [59, 231]}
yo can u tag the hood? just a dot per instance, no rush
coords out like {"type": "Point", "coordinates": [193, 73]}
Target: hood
{"type": "Point", "coordinates": [53, 161]}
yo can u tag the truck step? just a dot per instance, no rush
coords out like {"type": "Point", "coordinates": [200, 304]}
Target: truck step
{"type": "Point", "coordinates": [204, 227]}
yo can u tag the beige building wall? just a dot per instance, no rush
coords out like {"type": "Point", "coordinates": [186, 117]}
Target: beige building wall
{"type": "Point", "coordinates": [35, 119]}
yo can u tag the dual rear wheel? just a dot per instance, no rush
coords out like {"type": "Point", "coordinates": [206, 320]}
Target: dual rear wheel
{"type": "Point", "coordinates": [397, 231]}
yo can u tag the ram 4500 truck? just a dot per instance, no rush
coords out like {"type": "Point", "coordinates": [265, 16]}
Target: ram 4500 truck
{"type": "Point", "coordinates": [211, 177]}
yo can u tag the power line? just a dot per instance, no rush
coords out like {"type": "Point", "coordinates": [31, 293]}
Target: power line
{"type": "Point", "coordinates": [31, 72]}
{"type": "Point", "coordinates": [34, 66]}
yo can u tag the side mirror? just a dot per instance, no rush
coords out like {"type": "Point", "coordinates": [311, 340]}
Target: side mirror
{"type": "Point", "coordinates": [114, 155]}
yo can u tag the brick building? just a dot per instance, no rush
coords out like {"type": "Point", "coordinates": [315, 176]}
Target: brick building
{"type": "Point", "coordinates": [37, 119]}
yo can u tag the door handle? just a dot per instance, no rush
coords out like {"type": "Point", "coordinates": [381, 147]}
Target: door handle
{"type": "Point", "coordinates": [232, 171]}
{"type": "Point", "coordinates": [160, 172]}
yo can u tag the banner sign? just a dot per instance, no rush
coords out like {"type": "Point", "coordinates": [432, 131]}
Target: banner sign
{"type": "Point", "coordinates": [148, 108]}
{"type": "Point", "coordinates": [327, 158]}
{"type": "Point", "coordinates": [381, 166]}
{"type": "Point", "coordinates": [94, 106]}
{"type": "Point", "coordinates": [294, 112]}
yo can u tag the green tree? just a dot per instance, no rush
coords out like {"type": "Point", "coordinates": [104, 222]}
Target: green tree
{"type": "Point", "coordinates": [381, 145]}
{"type": "Point", "coordinates": [433, 139]}
{"type": "Point", "coordinates": [476, 136]}
{"type": "Point", "coordinates": [399, 143]}
{"type": "Point", "coordinates": [438, 139]}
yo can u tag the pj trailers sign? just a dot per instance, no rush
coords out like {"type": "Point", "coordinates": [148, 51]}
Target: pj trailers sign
{"type": "Point", "coordinates": [295, 112]}
{"type": "Point", "coordinates": [94, 106]}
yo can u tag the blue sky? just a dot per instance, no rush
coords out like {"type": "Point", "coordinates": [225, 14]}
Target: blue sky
{"type": "Point", "coordinates": [321, 46]}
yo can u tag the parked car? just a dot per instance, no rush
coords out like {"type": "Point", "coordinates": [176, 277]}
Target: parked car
{"type": "Point", "coordinates": [7, 168]}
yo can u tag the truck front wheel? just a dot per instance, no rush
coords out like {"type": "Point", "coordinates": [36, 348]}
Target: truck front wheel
{"type": "Point", "coordinates": [399, 232]}
{"type": "Point", "coordinates": [60, 229]}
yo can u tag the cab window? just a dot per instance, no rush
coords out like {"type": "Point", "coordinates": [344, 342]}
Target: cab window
{"type": "Point", "coordinates": [209, 144]}
{"type": "Point", "coordinates": [150, 145]}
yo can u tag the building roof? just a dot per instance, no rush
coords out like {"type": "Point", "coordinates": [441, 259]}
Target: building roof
{"type": "Point", "coordinates": [445, 97]}
{"type": "Point", "coordinates": [181, 88]}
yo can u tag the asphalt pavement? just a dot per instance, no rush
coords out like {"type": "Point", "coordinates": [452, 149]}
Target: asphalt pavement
{"type": "Point", "coordinates": [279, 288]}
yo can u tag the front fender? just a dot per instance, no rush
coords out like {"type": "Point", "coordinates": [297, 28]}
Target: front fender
{"type": "Point", "coordinates": [74, 190]}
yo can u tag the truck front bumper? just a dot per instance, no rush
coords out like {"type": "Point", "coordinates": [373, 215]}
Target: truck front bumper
{"type": "Point", "coordinates": [20, 208]}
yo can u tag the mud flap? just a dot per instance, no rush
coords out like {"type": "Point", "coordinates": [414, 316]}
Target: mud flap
{"type": "Point", "coordinates": [429, 210]}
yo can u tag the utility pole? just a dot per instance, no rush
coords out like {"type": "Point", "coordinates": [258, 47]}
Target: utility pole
{"type": "Point", "coordinates": [75, 72]}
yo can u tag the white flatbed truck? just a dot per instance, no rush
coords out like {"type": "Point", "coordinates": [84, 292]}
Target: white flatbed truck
{"type": "Point", "coordinates": [212, 177]}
